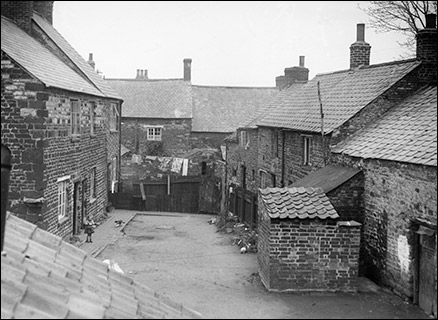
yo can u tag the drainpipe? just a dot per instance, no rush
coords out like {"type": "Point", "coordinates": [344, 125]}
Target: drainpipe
{"type": "Point", "coordinates": [5, 170]}
{"type": "Point", "coordinates": [283, 137]}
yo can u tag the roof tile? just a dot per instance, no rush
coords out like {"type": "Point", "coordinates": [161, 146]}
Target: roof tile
{"type": "Point", "coordinates": [307, 203]}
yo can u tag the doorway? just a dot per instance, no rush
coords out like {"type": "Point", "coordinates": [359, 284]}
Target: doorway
{"type": "Point", "coordinates": [77, 207]}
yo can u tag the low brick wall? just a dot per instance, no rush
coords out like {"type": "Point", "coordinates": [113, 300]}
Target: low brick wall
{"type": "Point", "coordinates": [309, 255]}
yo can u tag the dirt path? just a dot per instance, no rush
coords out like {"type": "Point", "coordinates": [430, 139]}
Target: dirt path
{"type": "Point", "coordinates": [183, 257]}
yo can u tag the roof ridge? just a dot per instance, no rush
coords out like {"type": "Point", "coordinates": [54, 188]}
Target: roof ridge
{"type": "Point", "coordinates": [231, 87]}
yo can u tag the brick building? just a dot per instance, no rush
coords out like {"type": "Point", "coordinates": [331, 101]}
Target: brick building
{"type": "Point", "coordinates": [60, 120]}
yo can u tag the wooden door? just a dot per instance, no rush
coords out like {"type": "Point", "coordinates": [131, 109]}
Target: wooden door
{"type": "Point", "coordinates": [426, 273]}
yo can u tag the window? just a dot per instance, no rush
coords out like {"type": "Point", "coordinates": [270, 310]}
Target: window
{"type": "Point", "coordinates": [306, 150]}
{"type": "Point", "coordinates": [93, 193]}
{"type": "Point", "coordinates": [62, 197]}
{"type": "Point", "coordinates": [244, 139]}
{"type": "Point", "coordinates": [113, 168]}
{"type": "Point", "coordinates": [154, 133]}
{"type": "Point", "coordinates": [75, 117]}
{"type": "Point", "coordinates": [92, 107]}
{"type": "Point", "coordinates": [273, 180]}
{"type": "Point", "coordinates": [274, 143]}
{"type": "Point", "coordinates": [114, 117]}
{"type": "Point", "coordinates": [203, 167]}
{"type": "Point", "coordinates": [263, 179]}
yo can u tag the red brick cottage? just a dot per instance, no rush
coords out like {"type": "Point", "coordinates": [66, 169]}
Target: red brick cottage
{"type": "Point", "coordinates": [60, 120]}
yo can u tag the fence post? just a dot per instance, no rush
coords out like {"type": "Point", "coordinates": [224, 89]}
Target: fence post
{"type": "Point", "coordinates": [5, 170]}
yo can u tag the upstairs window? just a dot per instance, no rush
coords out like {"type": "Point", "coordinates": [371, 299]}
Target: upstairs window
{"type": "Point", "coordinates": [114, 118]}
{"type": "Point", "coordinates": [93, 193]}
{"type": "Point", "coordinates": [62, 197]}
{"type": "Point", "coordinates": [274, 144]}
{"type": "Point", "coordinates": [306, 150]}
{"type": "Point", "coordinates": [154, 133]}
{"type": "Point", "coordinates": [75, 118]}
{"type": "Point", "coordinates": [244, 139]}
{"type": "Point", "coordinates": [92, 108]}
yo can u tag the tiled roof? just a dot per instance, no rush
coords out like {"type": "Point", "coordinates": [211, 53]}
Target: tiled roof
{"type": "Point", "coordinates": [224, 109]}
{"type": "Point", "coordinates": [252, 123]}
{"type": "Point", "coordinates": [405, 133]}
{"type": "Point", "coordinates": [43, 276]}
{"type": "Point", "coordinates": [169, 98]}
{"type": "Point", "coordinates": [40, 62]}
{"type": "Point", "coordinates": [301, 203]}
{"type": "Point", "coordinates": [328, 178]}
{"type": "Point", "coordinates": [343, 94]}
{"type": "Point", "coordinates": [74, 56]}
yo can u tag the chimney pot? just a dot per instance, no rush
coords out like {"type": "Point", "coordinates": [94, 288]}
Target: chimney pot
{"type": "Point", "coordinates": [431, 20]}
{"type": "Point", "coordinates": [187, 69]}
{"type": "Point", "coordinates": [90, 60]}
{"type": "Point", "coordinates": [301, 61]}
{"type": "Point", "coordinates": [361, 32]}
{"type": "Point", "coordinates": [146, 74]}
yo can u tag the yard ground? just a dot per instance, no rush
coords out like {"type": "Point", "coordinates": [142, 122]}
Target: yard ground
{"type": "Point", "coordinates": [185, 258]}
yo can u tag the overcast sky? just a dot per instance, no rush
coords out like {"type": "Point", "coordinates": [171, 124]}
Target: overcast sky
{"type": "Point", "coordinates": [231, 43]}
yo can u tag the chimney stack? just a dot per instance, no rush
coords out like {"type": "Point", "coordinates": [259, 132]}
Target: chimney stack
{"type": "Point", "coordinates": [427, 48]}
{"type": "Point", "coordinates": [44, 8]}
{"type": "Point", "coordinates": [360, 50]}
{"type": "Point", "coordinates": [142, 74]}
{"type": "Point", "coordinates": [292, 75]}
{"type": "Point", "coordinates": [90, 61]}
{"type": "Point", "coordinates": [20, 12]}
{"type": "Point", "coordinates": [187, 69]}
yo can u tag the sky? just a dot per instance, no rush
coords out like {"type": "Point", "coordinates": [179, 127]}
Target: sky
{"type": "Point", "coordinates": [231, 43]}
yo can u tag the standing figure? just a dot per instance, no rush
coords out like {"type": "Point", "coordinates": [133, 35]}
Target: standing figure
{"type": "Point", "coordinates": [89, 228]}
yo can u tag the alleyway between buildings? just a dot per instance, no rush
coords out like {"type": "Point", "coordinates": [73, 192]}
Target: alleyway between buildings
{"type": "Point", "coordinates": [185, 257]}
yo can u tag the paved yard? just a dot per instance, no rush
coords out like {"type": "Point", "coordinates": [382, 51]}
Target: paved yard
{"type": "Point", "coordinates": [183, 257]}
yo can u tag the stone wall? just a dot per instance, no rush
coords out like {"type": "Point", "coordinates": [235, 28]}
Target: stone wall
{"type": "Point", "coordinates": [308, 255]}
{"type": "Point", "coordinates": [395, 195]}
{"type": "Point", "coordinates": [175, 136]}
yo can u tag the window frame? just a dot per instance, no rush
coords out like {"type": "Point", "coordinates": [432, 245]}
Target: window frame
{"type": "Point", "coordinates": [62, 205]}
{"type": "Point", "coordinates": [75, 118]}
{"type": "Point", "coordinates": [307, 143]}
{"type": "Point", "coordinates": [244, 139]}
{"type": "Point", "coordinates": [92, 109]}
{"type": "Point", "coordinates": [154, 136]}
{"type": "Point", "coordinates": [114, 117]}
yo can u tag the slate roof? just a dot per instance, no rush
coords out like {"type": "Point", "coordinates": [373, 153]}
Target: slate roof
{"type": "Point", "coordinates": [343, 94]}
{"type": "Point", "coordinates": [224, 109]}
{"type": "Point", "coordinates": [405, 133]}
{"type": "Point", "coordinates": [297, 203]}
{"type": "Point", "coordinates": [253, 120]}
{"type": "Point", "coordinates": [327, 178]}
{"type": "Point", "coordinates": [74, 56]}
{"type": "Point", "coordinates": [43, 276]}
{"type": "Point", "coordinates": [40, 62]}
{"type": "Point", "coordinates": [168, 98]}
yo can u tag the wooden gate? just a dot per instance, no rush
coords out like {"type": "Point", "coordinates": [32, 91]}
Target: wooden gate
{"type": "Point", "coordinates": [174, 194]}
{"type": "Point", "coordinates": [244, 205]}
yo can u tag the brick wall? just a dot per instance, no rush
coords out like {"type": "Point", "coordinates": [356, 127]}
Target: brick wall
{"type": "Point", "coordinates": [175, 137]}
{"type": "Point", "coordinates": [395, 195]}
{"type": "Point", "coordinates": [36, 127]}
{"type": "Point", "coordinates": [238, 155]}
{"type": "Point", "coordinates": [308, 255]}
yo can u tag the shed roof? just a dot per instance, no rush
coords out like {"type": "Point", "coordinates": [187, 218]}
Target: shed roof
{"type": "Point", "coordinates": [328, 178]}
{"type": "Point", "coordinates": [405, 133]}
{"type": "Point", "coordinates": [44, 277]}
{"type": "Point", "coordinates": [297, 203]}
{"type": "Point", "coordinates": [343, 94]}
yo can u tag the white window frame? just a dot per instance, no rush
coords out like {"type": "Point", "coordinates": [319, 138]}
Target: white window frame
{"type": "Point", "coordinates": [154, 133]}
{"type": "Point", "coordinates": [62, 197]}
{"type": "Point", "coordinates": [307, 142]}
{"type": "Point", "coordinates": [244, 139]}
{"type": "Point", "coordinates": [93, 190]}
{"type": "Point", "coordinates": [114, 117]}
{"type": "Point", "coordinates": [75, 117]}
{"type": "Point", "coordinates": [92, 107]}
